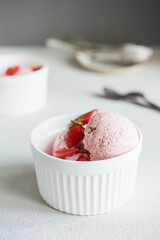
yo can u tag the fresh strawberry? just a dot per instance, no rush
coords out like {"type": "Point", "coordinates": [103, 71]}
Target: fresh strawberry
{"type": "Point", "coordinates": [36, 68]}
{"type": "Point", "coordinates": [82, 158]}
{"type": "Point", "coordinates": [11, 70]}
{"type": "Point", "coordinates": [74, 135]}
{"type": "Point", "coordinates": [62, 153]}
{"type": "Point", "coordinates": [87, 116]}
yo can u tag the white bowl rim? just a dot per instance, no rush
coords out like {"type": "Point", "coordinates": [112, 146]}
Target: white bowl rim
{"type": "Point", "coordinates": [49, 157]}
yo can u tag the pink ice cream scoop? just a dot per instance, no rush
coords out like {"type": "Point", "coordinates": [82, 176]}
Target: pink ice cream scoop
{"type": "Point", "coordinates": [109, 135]}
{"type": "Point", "coordinates": [59, 141]}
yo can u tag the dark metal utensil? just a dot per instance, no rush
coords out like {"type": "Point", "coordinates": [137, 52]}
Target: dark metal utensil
{"type": "Point", "coordinates": [133, 97]}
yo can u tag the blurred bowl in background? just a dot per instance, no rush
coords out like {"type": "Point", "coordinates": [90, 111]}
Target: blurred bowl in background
{"type": "Point", "coordinates": [26, 92]}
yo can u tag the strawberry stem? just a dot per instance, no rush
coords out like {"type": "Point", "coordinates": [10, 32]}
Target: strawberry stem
{"type": "Point", "coordinates": [76, 122]}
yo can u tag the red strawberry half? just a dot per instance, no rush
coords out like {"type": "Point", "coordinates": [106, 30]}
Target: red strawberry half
{"type": "Point", "coordinates": [63, 153]}
{"type": "Point", "coordinates": [36, 68]}
{"type": "Point", "coordinates": [87, 116]}
{"type": "Point", "coordinates": [11, 70]}
{"type": "Point", "coordinates": [74, 135]}
{"type": "Point", "coordinates": [82, 158]}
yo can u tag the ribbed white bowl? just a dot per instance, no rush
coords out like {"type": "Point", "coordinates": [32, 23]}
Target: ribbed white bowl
{"type": "Point", "coordinates": [26, 93]}
{"type": "Point", "coordinates": [82, 188]}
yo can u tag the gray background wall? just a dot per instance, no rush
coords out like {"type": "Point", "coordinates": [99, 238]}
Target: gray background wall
{"type": "Point", "coordinates": [30, 22]}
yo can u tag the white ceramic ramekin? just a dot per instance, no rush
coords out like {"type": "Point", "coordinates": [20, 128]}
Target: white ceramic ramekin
{"type": "Point", "coordinates": [26, 93]}
{"type": "Point", "coordinates": [82, 188]}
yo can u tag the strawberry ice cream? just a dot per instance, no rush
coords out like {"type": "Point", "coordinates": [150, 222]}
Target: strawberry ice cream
{"type": "Point", "coordinates": [108, 135]}
{"type": "Point", "coordinates": [95, 136]}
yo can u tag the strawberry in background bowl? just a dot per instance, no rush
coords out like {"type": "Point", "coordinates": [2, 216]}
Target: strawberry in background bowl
{"type": "Point", "coordinates": [20, 70]}
{"type": "Point", "coordinates": [69, 178]}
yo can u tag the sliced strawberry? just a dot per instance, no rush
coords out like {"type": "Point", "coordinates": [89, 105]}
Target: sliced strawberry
{"type": "Point", "coordinates": [87, 116]}
{"type": "Point", "coordinates": [36, 68]}
{"type": "Point", "coordinates": [11, 70]}
{"type": "Point", "coordinates": [74, 135]}
{"type": "Point", "coordinates": [63, 153]}
{"type": "Point", "coordinates": [82, 158]}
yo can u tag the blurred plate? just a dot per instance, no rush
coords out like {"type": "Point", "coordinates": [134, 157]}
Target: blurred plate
{"type": "Point", "coordinates": [105, 61]}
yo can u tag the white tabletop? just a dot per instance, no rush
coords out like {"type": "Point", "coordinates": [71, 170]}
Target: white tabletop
{"type": "Point", "coordinates": [23, 213]}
